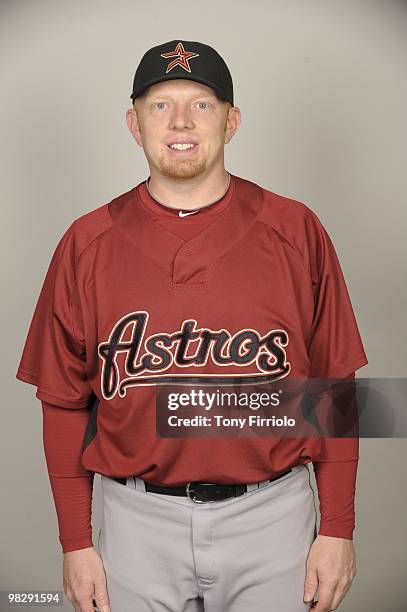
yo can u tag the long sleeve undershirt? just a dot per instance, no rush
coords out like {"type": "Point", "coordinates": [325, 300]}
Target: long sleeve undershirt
{"type": "Point", "coordinates": [335, 475]}
{"type": "Point", "coordinates": [71, 485]}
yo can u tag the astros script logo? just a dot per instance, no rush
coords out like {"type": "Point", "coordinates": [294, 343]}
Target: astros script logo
{"type": "Point", "coordinates": [162, 351]}
{"type": "Point", "coordinates": [182, 57]}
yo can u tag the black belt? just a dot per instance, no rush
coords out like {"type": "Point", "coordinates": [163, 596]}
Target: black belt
{"type": "Point", "coordinates": [198, 491]}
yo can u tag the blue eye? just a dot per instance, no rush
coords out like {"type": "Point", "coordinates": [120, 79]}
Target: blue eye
{"type": "Point", "coordinates": [204, 103]}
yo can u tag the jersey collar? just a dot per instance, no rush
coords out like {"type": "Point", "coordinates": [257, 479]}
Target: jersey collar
{"type": "Point", "coordinates": [188, 263]}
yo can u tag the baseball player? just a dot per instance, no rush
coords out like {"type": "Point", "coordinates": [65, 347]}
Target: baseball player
{"type": "Point", "coordinates": [194, 276]}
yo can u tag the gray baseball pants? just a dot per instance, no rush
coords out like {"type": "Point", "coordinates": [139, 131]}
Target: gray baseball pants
{"type": "Point", "coordinates": [168, 553]}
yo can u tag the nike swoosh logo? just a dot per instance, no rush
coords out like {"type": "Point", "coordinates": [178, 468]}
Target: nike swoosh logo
{"type": "Point", "coordinates": [185, 214]}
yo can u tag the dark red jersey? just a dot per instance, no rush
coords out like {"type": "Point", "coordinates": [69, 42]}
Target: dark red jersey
{"type": "Point", "coordinates": [129, 303]}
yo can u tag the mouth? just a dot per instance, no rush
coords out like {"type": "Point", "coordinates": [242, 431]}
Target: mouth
{"type": "Point", "coordinates": [184, 149]}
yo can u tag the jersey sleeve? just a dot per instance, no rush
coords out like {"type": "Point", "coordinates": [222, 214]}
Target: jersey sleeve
{"type": "Point", "coordinates": [54, 355]}
{"type": "Point", "coordinates": [334, 343]}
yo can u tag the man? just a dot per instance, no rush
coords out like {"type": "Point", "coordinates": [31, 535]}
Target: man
{"type": "Point", "coordinates": [194, 277]}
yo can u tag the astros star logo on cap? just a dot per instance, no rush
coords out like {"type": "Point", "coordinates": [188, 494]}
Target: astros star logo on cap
{"type": "Point", "coordinates": [182, 57]}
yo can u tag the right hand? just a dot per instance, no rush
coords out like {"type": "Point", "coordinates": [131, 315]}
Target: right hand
{"type": "Point", "coordinates": [85, 580]}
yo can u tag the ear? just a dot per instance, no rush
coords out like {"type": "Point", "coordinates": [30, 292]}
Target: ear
{"type": "Point", "coordinates": [233, 121]}
{"type": "Point", "coordinates": [133, 124]}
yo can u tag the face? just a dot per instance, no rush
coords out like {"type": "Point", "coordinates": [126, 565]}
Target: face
{"type": "Point", "coordinates": [184, 112]}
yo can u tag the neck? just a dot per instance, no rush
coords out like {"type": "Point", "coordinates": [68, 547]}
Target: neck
{"type": "Point", "coordinates": [187, 195]}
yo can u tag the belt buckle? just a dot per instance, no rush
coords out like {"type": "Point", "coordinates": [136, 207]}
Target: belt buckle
{"type": "Point", "coordinates": [196, 499]}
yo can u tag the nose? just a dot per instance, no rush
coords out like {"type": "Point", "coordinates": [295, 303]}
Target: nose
{"type": "Point", "coordinates": [181, 116]}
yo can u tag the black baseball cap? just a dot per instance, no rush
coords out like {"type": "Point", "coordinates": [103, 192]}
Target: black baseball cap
{"type": "Point", "coordinates": [183, 59]}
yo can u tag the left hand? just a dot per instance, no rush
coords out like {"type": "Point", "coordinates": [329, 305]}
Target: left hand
{"type": "Point", "coordinates": [331, 567]}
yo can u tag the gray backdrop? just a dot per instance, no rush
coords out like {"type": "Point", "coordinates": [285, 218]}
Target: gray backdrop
{"type": "Point", "coordinates": [322, 90]}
